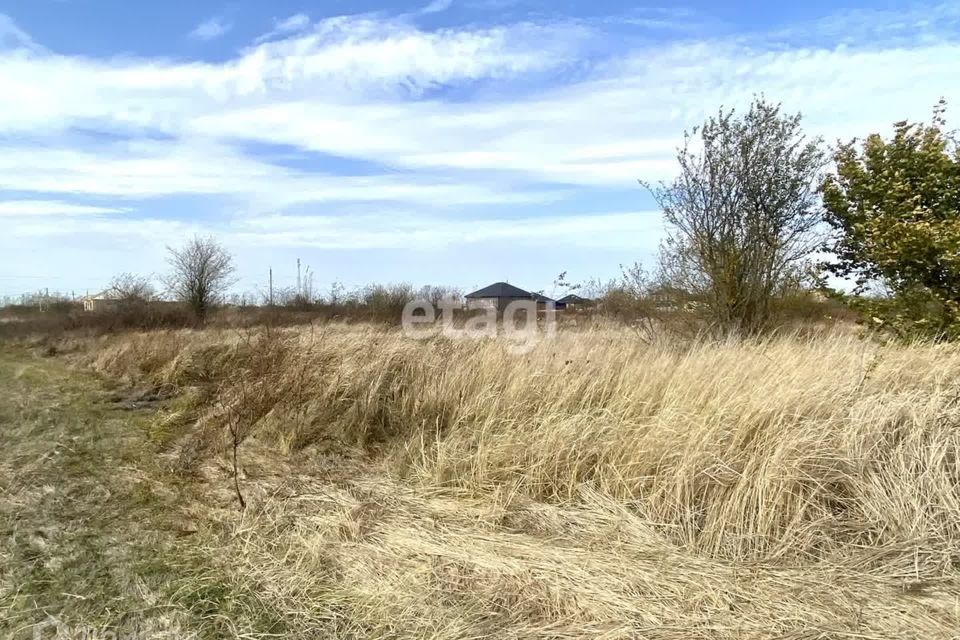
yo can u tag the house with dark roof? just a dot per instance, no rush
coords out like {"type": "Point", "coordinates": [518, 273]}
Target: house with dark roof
{"type": "Point", "coordinates": [499, 294]}
{"type": "Point", "coordinates": [573, 301]}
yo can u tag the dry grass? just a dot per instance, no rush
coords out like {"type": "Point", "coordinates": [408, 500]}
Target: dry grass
{"type": "Point", "coordinates": [599, 486]}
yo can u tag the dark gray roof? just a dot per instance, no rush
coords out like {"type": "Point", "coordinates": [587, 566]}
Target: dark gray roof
{"type": "Point", "coordinates": [501, 290]}
{"type": "Point", "coordinates": [573, 298]}
{"type": "Point", "coordinates": [539, 297]}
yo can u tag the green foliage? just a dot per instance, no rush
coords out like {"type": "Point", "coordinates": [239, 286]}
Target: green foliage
{"type": "Point", "coordinates": [895, 208]}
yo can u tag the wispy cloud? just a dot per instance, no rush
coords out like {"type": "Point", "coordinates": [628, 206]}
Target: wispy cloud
{"type": "Point", "coordinates": [382, 230]}
{"type": "Point", "coordinates": [436, 6]}
{"type": "Point", "coordinates": [342, 63]}
{"type": "Point", "coordinates": [210, 29]}
{"type": "Point", "coordinates": [293, 24]}
{"type": "Point", "coordinates": [13, 37]}
{"type": "Point", "coordinates": [155, 169]}
{"type": "Point", "coordinates": [534, 119]}
{"type": "Point", "coordinates": [679, 20]}
{"type": "Point", "coordinates": [405, 230]}
{"type": "Point", "coordinates": [491, 5]}
{"type": "Point", "coordinates": [31, 208]}
{"type": "Point", "coordinates": [909, 26]}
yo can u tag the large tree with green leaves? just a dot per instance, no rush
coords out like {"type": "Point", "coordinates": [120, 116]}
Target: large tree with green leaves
{"type": "Point", "coordinates": [743, 213]}
{"type": "Point", "coordinates": [894, 206]}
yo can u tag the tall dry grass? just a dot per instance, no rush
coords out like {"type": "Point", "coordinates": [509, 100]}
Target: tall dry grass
{"type": "Point", "coordinates": [599, 484]}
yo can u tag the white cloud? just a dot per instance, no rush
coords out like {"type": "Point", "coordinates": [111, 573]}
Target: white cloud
{"type": "Point", "coordinates": [380, 230]}
{"type": "Point", "coordinates": [13, 37]}
{"type": "Point", "coordinates": [354, 55]}
{"type": "Point", "coordinates": [210, 29]}
{"type": "Point", "coordinates": [341, 62]}
{"type": "Point", "coordinates": [144, 230]}
{"type": "Point", "coordinates": [437, 6]}
{"type": "Point", "coordinates": [415, 231]}
{"type": "Point", "coordinates": [163, 168]}
{"type": "Point", "coordinates": [527, 109]}
{"type": "Point", "coordinates": [343, 90]}
{"type": "Point", "coordinates": [30, 208]}
{"type": "Point", "coordinates": [677, 19]}
{"type": "Point", "coordinates": [622, 123]}
{"type": "Point", "coordinates": [293, 24]}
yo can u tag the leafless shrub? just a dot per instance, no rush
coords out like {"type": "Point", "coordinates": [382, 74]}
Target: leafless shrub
{"type": "Point", "coordinates": [742, 212]}
{"type": "Point", "coordinates": [435, 294]}
{"type": "Point", "coordinates": [385, 303]}
{"type": "Point", "coordinates": [131, 289]}
{"type": "Point", "coordinates": [201, 272]}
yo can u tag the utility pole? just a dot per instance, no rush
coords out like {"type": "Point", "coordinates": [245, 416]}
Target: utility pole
{"type": "Point", "coordinates": [271, 286]}
{"type": "Point", "coordinates": [299, 289]}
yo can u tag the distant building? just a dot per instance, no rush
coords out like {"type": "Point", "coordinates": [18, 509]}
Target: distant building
{"type": "Point", "coordinates": [500, 294]}
{"type": "Point", "coordinates": [573, 301]}
{"type": "Point", "coordinates": [103, 301]}
{"type": "Point", "coordinates": [667, 298]}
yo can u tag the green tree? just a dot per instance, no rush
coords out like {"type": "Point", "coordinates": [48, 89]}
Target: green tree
{"type": "Point", "coordinates": [894, 206]}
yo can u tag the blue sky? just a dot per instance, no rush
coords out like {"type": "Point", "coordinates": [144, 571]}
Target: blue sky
{"type": "Point", "coordinates": [448, 142]}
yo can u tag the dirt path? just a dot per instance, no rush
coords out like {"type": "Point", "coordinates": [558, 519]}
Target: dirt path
{"type": "Point", "coordinates": [93, 536]}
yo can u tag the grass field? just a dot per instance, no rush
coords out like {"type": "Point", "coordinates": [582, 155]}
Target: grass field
{"type": "Point", "coordinates": [600, 485]}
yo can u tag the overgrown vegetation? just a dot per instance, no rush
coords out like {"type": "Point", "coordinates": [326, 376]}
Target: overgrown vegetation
{"type": "Point", "coordinates": [408, 488]}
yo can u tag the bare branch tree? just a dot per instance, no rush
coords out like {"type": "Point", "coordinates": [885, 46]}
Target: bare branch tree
{"type": "Point", "coordinates": [201, 272]}
{"type": "Point", "coordinates": [434, 294]}
{"type": "Point", "coordinates": [743, 211]}
{"type": "Point", "coordinates": [132, 289]}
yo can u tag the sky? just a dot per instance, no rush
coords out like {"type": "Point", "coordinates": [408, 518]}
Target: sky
{"type": "Point", "coordinates": [452, 142]}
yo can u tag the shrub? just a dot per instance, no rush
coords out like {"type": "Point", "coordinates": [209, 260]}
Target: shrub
{"type": "Point", "coordinates": [895, 209]}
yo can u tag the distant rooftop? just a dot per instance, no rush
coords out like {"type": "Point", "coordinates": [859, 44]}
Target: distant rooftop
{"type": "Point", "coordinates": [501, 290]}
{"type": "Point", "coordinates": [506, 290]}
{"type": "Point", "coordinates": [539, 297]}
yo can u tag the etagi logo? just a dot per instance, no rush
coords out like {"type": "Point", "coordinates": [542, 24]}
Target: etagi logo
{"type": "Point", "coordinates": [523, 323]}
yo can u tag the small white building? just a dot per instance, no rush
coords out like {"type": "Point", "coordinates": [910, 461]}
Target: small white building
{"type": "Point", "coordinates": [103, 301]}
